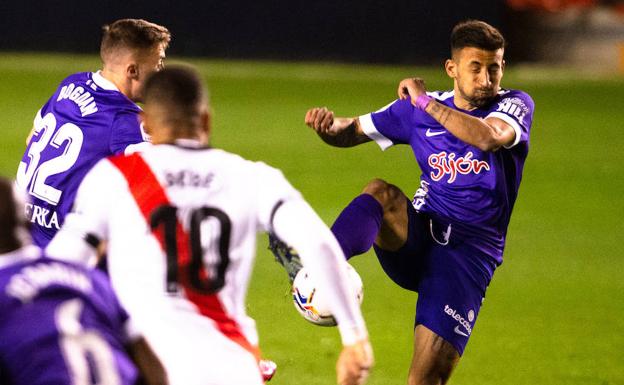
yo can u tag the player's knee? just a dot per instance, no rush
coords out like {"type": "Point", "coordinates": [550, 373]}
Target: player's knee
{"type": "Point", "coordinates": [384, 192]}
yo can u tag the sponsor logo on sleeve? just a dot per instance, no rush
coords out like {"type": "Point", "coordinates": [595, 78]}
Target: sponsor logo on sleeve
{"type": "Point", "coordinates": [514, 107]}
{"type": "Point", "coordinates": [42, 216]}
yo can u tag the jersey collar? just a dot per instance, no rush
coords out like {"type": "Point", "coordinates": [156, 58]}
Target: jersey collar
{"type": "Point", "coordinates": [26, 253]}
{"type": "Point", "coordinates": [104, 83]}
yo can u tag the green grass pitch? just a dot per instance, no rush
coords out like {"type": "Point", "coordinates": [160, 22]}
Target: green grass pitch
{"type": "Point", "coordinates": [554, 313]}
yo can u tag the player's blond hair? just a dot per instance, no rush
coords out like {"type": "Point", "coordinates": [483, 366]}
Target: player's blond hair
{"type": "Point", "coordinates": [134, 34]}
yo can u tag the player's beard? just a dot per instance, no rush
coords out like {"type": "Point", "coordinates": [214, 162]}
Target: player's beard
{"type": "Point", "coordinates": [481, 97]}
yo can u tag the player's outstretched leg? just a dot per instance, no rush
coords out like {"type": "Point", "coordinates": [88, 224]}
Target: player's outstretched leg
{"type": "Point", "coordinates": [285, 255]}
{"type": "Point", "coordinates": [434, 358]}
{"type": "Point", "coordinates": [378, 216]}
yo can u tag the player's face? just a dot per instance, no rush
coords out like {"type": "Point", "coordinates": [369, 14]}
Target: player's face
{"type": "Point", "coordinates": [148, 62]}
{"type": "Point", "coordinates": [477, 74]}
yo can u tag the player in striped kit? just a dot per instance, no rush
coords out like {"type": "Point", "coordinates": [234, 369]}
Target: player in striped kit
{"type": "Point", "coordinates": [181, 220]}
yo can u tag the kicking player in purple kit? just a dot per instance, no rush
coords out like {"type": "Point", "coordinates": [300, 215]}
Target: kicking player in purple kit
{"type": "Point", "coordinates": [471, 144]}
{"type": "Point", "coordinates": [90, 116]}
{"type": "Point", "coordinates": [61, 324]}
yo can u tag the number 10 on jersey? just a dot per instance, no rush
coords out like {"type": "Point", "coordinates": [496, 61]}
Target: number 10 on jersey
{"type": "Point", "coordinates": [192, 271]}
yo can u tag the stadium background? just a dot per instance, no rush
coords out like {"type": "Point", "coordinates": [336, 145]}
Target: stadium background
{"type": "Point", "coordinates": [555, 309]}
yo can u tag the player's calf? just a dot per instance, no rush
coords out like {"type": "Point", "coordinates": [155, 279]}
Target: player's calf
{"type": "Point", "coordinates": [434, 358]}
{"type": "Point", "coordinates": [393, 230]}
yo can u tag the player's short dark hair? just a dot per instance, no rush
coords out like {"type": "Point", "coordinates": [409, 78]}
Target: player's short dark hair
{"type": "Point", "coordinates": [477, 34]}
{"type": "Point", "coordinates": [135, 34]}
{"type": "Point", "coordinates": [9, 219]}
{"type": "Point", "coordinates": [178, 89]}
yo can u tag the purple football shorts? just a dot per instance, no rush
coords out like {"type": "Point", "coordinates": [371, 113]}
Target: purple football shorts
{"type": "Point", "coordinates": [449, 274]}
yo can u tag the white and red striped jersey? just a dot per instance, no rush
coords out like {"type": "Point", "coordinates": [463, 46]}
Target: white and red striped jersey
{"type": "Point", "coordinates": [181, 224]}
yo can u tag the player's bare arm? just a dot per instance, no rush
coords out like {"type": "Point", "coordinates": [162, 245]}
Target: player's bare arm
{"type": "Point", "coordinates": [354, 363]}
{"type": "Point", "coordinates": [487, 134]}
{"type": "Point", "coordinates": [149, 365]}
{"type": "Point", "coordinates": [335, 131]}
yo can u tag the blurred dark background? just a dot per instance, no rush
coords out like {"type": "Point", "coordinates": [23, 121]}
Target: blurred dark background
{"type": "Point", "coordinates": [395, 31]}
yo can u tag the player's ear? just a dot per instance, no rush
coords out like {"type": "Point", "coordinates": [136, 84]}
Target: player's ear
{"type": "Point", "coordinates": [451, 68]}
{"type": "Point", "coordinates": [205, 125]}
{"type": "Point", "coordinates": [144, 124]}
{"type": "Point", "coordinates": [132, 71]}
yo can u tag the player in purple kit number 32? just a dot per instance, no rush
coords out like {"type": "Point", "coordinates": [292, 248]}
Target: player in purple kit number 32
{"type": "Point", "coordinates": [471, 144]}
{"type": "Point", "coordinates": [60, 323]}
{"type": "Point", "coordinates": [90, 116]}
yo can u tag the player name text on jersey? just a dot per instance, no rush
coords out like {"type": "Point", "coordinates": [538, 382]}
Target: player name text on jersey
{"type": "Point", "coordinates": [78, 95]}
{"type": "Point", "coordinates": [188, 178]}
{"type": "Point", "coordinates": [30, 281]}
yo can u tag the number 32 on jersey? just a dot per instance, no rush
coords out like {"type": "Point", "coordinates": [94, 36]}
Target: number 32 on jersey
{"type": "Point", "coordinates": [34, 174]}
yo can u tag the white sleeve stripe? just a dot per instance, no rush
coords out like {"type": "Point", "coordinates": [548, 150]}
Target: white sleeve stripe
{"type": "Point", "coordinates": [509, 120]}
{"type": "Point", "coordinates": [137, 147]}
{"type": "Point", "coordinates": [366, 122]}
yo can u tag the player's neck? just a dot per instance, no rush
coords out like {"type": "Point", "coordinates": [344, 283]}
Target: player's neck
{"type": "Point", "coordinates": [461, 102]}
{"type": "Point", "coordinates": [118, 80]}
{"type": "Point", "coordinates": [9, 244]}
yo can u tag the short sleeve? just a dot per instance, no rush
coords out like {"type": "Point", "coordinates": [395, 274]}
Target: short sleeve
{"type": "Point", "coordinates": [125, 131]}
{"type": "Point", "coordinates": [516, 109]}
{"type": "Point", "coordinates": [272, 190]}
{"type": "Point", "coordinates": [389, 125]}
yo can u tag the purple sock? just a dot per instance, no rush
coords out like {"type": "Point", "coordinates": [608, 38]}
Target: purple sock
{"type": "Point", "coordinates": [358, 224]}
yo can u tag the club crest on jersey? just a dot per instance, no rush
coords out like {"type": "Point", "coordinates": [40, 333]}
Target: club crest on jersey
{"type": "Point", "coordinates": [451, 165]}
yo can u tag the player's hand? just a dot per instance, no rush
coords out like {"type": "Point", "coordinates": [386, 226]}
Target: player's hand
{"type": "Point", "coordinates": [354, 363]}
{"type": "Point", "coordinates": [321, 120]}
{"type": "Point", "coordinates": [411, 88]}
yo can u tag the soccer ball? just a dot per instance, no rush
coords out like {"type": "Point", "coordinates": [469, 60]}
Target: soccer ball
{"type": "Point", "coordinates": [314, 307]}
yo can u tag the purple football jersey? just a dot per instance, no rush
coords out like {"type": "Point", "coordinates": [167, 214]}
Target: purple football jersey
{"type": "Point", "coordinates": [59, 324]}
{"type": "Point", "coordinates": [86, 119]}
{"type": "Point", "coordinates": [471, 190]}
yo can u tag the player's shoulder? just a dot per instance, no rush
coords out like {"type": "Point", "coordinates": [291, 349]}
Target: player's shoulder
{"type": "Point", "coordinates": [70, 83]}
{"type": "Point", "coordinates": [237, 161]}
{"type": "Point", "coordinates": [511, 94]}
{"type": "Point", "coordinates": [441, 96]}
{"type": "Point", "coordinates": [104, 176]}
{"type": "Point", "coordinates": [14, 261]}
{"type": "Point", "coordinates": [255, 171]}
{"type": "Point", "coordinates": [22, 255]}
{"type": "Point", "coordinates": [78, 77]}
{"type": "Point", "coordinates": [108, 93]}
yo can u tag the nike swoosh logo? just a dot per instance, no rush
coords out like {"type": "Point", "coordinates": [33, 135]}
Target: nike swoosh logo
{"type": "Point", "coordinates": [458, 331]}
{"type": "Point", "coordinates": [430, 133]}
